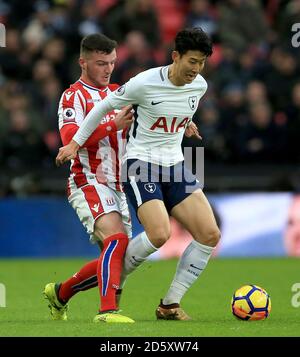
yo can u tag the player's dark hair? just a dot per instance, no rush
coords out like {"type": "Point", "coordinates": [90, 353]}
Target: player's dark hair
{"type": "Point", "coordinates": [97, 42]}
{"type": "Point", "coordinates": [193, 39]}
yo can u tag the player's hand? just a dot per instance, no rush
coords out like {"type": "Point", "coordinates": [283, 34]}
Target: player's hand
{"type": "Point", "coordinates": [192, 130]}
{"type": "Point", "coordinates": [66, 153]}
{"type": "Point", "coordinates": [124, 118]}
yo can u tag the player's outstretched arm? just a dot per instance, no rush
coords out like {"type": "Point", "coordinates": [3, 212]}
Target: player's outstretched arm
{"type": "Point", "coordinates": [68, 152]}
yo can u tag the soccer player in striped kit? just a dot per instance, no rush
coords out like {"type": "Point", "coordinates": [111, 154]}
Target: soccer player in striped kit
{"type": "Point", "coordinates": [94, 189]}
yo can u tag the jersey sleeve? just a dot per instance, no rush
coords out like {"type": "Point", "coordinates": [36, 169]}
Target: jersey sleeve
{"type": "Point", "coordinates": [68, 131]}
{"type": "Point", "coordinates": [71, 108]}
{"type": "Point", "coordinates": [71, 115]}
{"type": "Point", "coordinates": [129, 93]}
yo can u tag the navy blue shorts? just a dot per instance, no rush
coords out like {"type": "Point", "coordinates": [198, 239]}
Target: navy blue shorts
{"type": "Point", "coordinates": [144, 181]}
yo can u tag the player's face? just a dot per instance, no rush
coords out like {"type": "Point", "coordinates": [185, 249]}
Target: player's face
{"type": "Point", "coordinates": [188, 66]}
{"type": "Point", "coordinates": [97, 67]}
{"type": "Point", "coordinates": [292, 234]}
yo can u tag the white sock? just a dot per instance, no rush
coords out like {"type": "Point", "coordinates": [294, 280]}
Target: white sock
{"type": "Point", "coordinates": [138, 250]}
{"type": "Point", "coordinates": [191, 264]}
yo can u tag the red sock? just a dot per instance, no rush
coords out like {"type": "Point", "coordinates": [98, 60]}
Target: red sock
{"type": "Point", "coordinates": [109, 269]}
{"type": "Point", "coordinates": [85, 279]}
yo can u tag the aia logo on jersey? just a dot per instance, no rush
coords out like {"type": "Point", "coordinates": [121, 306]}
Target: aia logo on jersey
{"type": "Point", "coordinates": [193, 102]}
{"type": "Point", "coordinates": [168, 126]}
{"type": "Point", "coordinates": [69, 115]}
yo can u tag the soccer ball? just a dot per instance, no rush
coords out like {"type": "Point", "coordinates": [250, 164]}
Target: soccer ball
{"type": "Point", "coordinates": [251, 302]}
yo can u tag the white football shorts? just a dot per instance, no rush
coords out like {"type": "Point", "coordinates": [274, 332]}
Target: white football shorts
{"type": "Point", "coordinates": [92, 201]}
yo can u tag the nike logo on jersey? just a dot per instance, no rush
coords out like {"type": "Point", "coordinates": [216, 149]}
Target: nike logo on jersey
{"type": "Point", "coordinates": [69, 95]}
{"type": "Point", "coordinates": [154, 103]}
{"type": "Point", "coordinates": [96, 208]}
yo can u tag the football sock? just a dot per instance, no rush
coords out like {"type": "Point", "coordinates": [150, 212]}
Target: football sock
{"type": "Point", "coordinates": [191, 264]}
{"type": "Point", "coordinates": [84, 279]}
{"type": "Point", "coordinates": [109, 269]}
{"type": "Point", "coordinates": [118, 297]}
{"type": "Point", "coordinates": [139, 248]}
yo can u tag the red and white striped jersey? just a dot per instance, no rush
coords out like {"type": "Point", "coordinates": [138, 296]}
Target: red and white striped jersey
{"type": "Point", "coordinates": [99, 160]}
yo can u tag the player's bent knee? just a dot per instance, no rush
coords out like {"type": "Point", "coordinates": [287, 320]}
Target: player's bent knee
{"type": "Point", "coordinates": [158, 236]}
{"type": "Point", "coordinates": [213, 237]}
{"type": "Point", "coordinates": [210, 237]}
{"type": "Point", "coordinates": [97, 233]}
{"type": "Point", "coordinates": [108, 225]}
{"type": "Point", "coordinates": [102, 235]}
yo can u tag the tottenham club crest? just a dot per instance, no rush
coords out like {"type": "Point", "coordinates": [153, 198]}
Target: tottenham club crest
{"type": "Point", "coordinates": [150, 187]}
{"type": "Point", "coordinates": [193, 102]}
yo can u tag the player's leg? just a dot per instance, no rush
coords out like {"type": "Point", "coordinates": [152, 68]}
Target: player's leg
{"type": "Point", "coordinates": [196, 216]}
{"type": "Point", "coordinates": [147, 242]}
{"type": "Point", "coordinates": [151, 212]}
{"type": "Point", "coordinates": [143, 192]}
{"type": "Point", "coordinates": [58, 294]}
{"type": "Point", "coordinates": [91, 211]}
{"type": "Point", "coordinates": [108, 228]}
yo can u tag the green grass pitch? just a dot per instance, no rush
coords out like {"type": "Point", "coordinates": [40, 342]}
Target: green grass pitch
{"type": "Point", "coordinates": [208, 301]}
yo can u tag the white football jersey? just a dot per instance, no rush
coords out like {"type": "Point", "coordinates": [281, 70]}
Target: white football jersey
{"type": "Point", "coordinates": [162, 113]}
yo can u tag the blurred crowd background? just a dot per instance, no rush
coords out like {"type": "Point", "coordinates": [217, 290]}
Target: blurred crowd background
{"type": "Point", "coordinates": [249, 118]}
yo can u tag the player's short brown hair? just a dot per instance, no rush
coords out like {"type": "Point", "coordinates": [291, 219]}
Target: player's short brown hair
{"type": "Point", "coordinates": [97, 42]}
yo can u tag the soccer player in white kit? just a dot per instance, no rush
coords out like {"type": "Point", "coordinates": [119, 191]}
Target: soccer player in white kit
{"type": "Point", "coordinates": [165, 100]}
